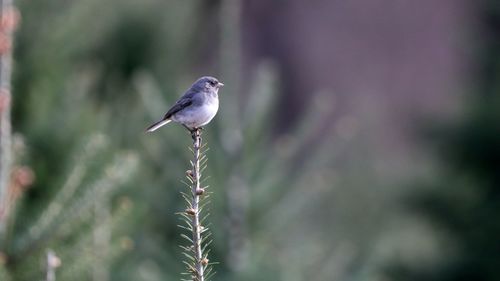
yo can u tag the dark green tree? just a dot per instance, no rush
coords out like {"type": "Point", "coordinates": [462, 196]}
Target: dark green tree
{"type": "Point", "coordinates": [465, 202]}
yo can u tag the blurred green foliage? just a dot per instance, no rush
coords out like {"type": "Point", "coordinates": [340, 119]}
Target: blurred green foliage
{"type": "Point", "coordinates": [464, 201]}
{"type": "Point", "coordinates": [88, 70]}
{"type": "Point", "coordinates": [308, 204]}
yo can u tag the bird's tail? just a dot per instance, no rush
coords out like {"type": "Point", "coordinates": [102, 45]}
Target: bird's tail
{"type": "Point", "coordinates": [157, 125]}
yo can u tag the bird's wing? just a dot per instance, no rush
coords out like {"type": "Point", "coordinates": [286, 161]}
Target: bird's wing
{"type": "Point", "coordinates": [178, 106]}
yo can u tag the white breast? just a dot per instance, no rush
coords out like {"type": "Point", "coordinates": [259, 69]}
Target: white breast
{"type": "Point", "coordinates": [197, 116]}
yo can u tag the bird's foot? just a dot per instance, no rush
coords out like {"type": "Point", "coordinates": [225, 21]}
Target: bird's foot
{"type": "Point", "coordinates": [195, 132]}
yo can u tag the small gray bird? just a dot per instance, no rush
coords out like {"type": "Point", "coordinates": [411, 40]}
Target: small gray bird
{"type": "Point", "coordinates": [196, 107]}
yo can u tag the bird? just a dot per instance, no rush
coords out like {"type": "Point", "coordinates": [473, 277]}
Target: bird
{"type": "Point", "coordinates": [196, 108]}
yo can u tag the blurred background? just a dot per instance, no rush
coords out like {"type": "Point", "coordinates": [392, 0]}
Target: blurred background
{"type": "Point", "coordinates": [356, 140]}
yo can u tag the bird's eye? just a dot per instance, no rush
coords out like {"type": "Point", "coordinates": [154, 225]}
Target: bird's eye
{"type": "Point", "coordinates": [213, 83]}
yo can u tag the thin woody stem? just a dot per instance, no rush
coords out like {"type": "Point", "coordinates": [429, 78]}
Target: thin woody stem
{"type": "Point", "coordinates": [52, 263]}
{"type": "Point", "coordinates": [5, 125]}
{"type": "Point", "coordinates": [195, 202]}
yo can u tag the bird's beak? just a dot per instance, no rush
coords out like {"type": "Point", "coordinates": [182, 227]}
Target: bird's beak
{"type": "Point", "coordinates": [219, 84]}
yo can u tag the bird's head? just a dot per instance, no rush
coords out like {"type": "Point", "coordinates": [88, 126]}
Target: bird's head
{"type": "Point", "coordinates": [208, 83]}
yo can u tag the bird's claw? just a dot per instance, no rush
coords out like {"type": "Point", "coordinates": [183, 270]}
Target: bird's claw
{"type": "Point", "coordinates": [195, 132]}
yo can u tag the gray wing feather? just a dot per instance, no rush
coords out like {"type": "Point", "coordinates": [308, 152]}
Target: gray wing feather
{"type": "Point", "coordinates": [184, 102]}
